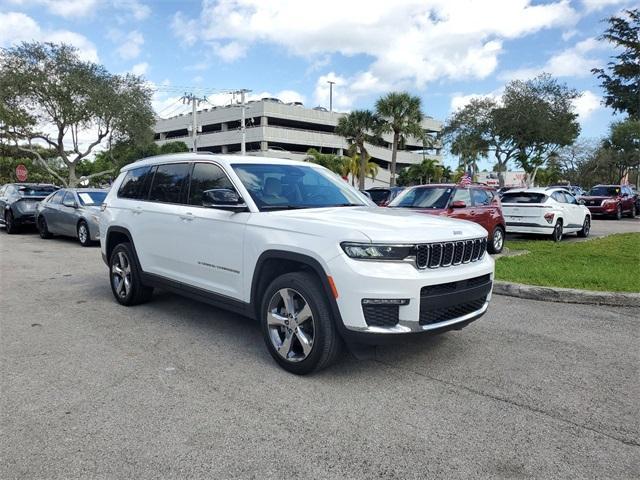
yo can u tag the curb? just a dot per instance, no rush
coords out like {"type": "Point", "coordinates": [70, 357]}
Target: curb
{"type": "Point", "coordinates": [566, 295]}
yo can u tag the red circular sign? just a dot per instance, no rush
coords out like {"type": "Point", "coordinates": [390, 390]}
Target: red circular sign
{"type": "Point", "coordinates": [21, 173]}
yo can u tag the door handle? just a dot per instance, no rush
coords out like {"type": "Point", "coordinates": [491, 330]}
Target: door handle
{"type": "Point", "coordinates": [137, 210]}
{"type": "Point", "coordinates": [187, 216]}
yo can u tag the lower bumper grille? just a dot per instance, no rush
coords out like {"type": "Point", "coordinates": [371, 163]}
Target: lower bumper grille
{"type": "Point", "coordinates": [381, 315]}
{"type": "Point", "coordinates": [437, 315]}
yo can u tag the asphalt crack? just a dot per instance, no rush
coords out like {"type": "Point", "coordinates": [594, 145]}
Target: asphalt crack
{"type": "Point", "coordinates": [511, 402]}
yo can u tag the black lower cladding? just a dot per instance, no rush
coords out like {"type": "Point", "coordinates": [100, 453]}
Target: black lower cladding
{"type": "Point", "coordinates": [439, 303]}
{"type": "Point", "coordinates": [381, 315]}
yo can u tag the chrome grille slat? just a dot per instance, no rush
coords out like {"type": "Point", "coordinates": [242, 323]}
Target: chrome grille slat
{"type": "Point", "coordinates": [445, 254]}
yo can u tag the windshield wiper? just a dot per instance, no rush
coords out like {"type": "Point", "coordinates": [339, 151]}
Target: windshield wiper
{"type": "Point", "coordinates": [282, 207]}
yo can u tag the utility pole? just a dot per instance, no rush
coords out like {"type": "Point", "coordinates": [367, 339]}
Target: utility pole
{"type": "Point", "coordinates": [243, 141]}
{"type": "Point", "coordinates": [195, 102]}
{"type": "Point", "coordinates": [330, 95]}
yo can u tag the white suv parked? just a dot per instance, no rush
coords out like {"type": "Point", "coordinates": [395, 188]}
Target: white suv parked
{"type": "Point", "coordinates": [294, 246]}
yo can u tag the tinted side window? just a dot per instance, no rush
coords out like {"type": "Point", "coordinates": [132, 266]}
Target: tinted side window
{"type": "Point", "coordinates": [206, 176]}
{"type": "Point", "coordinates": [57, 198]}
{"type": "Point", "coordinates": [131, 184]}
{"type": "Point", "coordinates": [464, 195]}
{"type": "Point", "coordinates": [169, 182]}
{"type": "Point", "coordinates": [480, 197]}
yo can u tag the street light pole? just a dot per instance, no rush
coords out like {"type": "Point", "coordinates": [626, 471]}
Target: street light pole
{"type": "Point", "coordinates": [330, 95]}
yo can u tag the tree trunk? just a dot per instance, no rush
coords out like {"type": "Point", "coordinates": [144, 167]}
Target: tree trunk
{"type": "Point", "coordinates": [394, 155]}
{"type": "Point", "coordinates": [73, 180]}
{"type": "Point", "coordinates": [363, 167]}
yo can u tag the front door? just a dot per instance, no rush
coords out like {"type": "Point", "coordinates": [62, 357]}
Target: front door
{"type": "Point", "coordinates": [468, 212]}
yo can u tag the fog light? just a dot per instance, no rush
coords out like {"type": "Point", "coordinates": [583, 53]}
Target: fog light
{"type": "Point", "coordinates": [385, 301]}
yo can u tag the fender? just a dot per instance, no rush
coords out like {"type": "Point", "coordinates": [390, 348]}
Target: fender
{"type": "Point", "coordinates": [300, 258]}
{"type": "Point", "coordinates": [127, 233]}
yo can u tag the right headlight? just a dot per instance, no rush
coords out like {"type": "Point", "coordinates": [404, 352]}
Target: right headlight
{"type": "Point", "coordinates": [371, 251]}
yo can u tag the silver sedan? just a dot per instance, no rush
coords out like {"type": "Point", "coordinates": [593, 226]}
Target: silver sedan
{"type": "Point", "coordinates": [71, 212]}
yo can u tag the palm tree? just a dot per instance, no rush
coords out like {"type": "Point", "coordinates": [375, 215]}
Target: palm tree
{"type": "Point", "coordinates": [331, 161]}
{"type": "Point", "coordinates": [359, 127]}
{"type": "Point", "coordinates": [402, 116]}
{"type": "Point", "coordinates": [429, 168]}
{"type": "Point", "coordinates": [447, 173]}
{"type": "Point", "coordinates": [351, 166]}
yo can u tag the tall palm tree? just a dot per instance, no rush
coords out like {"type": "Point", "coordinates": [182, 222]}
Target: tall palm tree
{"type": "Point", "coordinates": [331, 161]}
{"type": "Point", "coordinates": [402, 116]}
{"type": "Point", "coordinates": [359, 127]}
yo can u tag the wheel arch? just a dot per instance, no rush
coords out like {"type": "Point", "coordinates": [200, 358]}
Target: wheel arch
{"type": "Point", "coordinates": [273, 263]}
{"type": "Point", "coordinates": [116, 235]}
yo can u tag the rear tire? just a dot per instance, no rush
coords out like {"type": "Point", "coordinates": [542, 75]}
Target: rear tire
{"type": "Point", "coordinates": [43, 229]}
{"type": "Point", "coordinates": [84, 237]}
{"type": "Point", "coordinates": [9, 223]}
{"type": "Point", "coordinates": [307, 346]}
{"type": "Point", "coordinates": [618, 214]}
{"type": "Point", "coordinates": [586, 227]}
{"type": "Point", "coordinates": [125, 277]}
{"type": "Point", "coordinates": [497, 240]}
{"type": "Point", "coordinates": [557, 231]}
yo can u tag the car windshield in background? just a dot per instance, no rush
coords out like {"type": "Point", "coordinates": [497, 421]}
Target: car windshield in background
{"type": "Point", "coordinates": [379, 196]}
{"type": "Point", "coordinates": [524, 197]}
{"type": "Point", "coordinates": [604, 192]}
{"type": "Point", "coordinates": [36, 190]}
{"type": "Point", "coordinates": [432, 197]}
{"type": "Point", "coordinates": [92, 198]}
{"type": "Point", "coordinates": [282, 187]}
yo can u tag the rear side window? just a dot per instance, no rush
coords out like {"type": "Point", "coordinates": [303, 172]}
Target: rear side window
{"type": "Point", "coordinates": [379, 196]}
{"type": "Point", "coordinates": [131, 185]}
{"type": "Point", "coordinates": [524, 197]}
{"type": "Point", "coordinates": [169, 182]}
{"type": "Point", "coordinates": [206, 177]}
{"type": "Point", "coordinates": [481, 197]}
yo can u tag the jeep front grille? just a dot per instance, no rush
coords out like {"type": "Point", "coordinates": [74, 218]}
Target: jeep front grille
{"type": "Point", "coordinates": [445, 254]}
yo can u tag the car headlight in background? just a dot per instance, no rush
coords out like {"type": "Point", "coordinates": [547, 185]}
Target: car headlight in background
{"type": "Point", "coordinates": [368, 251]}
{"type": "Point", "coordinates": [608, 203]}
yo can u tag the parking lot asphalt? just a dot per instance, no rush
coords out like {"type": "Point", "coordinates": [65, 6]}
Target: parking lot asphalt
{"type": "Point", "coordinates": [178, 389]}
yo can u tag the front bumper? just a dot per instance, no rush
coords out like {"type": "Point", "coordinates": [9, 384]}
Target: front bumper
{"type": "Point", "coordinates": [365, 280]}
{"type": "Point", "coordinates": [609, 209]}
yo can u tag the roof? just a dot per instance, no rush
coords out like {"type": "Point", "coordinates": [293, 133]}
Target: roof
{"type": "Point", "coordinates": [543, 190]}
{"type": "Point", "coordinates": [452, 185]}
{"type": "Point", "coordinates": [221, 158]}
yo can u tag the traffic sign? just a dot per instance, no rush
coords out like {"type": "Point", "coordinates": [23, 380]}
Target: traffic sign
{"type": "Point", "coordinates": [21, 173]}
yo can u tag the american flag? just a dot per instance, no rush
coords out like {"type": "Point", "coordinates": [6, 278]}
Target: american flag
{"type": "Point", "coordinates": [465, 181]}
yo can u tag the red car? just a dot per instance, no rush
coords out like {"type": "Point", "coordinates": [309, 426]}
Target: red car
{"type": "Point", "coordinates": [610, 200]}
{"type": "Point", "coordinates": [477, 203]}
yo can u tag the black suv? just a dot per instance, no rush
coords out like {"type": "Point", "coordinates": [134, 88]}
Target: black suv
{"type": "Point", "coordinates": [18, 203]}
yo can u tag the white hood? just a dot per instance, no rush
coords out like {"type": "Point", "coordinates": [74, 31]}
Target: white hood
{"type": "Point", "coordinates": [376, 224]}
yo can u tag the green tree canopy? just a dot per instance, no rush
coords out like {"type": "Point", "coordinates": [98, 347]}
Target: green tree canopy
{"type": "Point", "coordinates": [400, 114]}
{"type": "Point", "coordinates": [52, 97]}
{"type": "Point", "coordinates": [528, 124]}
{"type": "Point", "coordinates": [621, 79]}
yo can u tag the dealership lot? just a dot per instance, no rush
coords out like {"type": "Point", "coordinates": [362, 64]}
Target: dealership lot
{"type": "Point", "coordinates": [175, 388]}
{"type": "Point", "coordinates": [600, 227]}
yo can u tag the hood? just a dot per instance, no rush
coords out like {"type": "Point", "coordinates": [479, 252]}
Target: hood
{"type": "Point", "coordinates": [373, 224]}
{"type": "Point", "coordinates": [599, 197]}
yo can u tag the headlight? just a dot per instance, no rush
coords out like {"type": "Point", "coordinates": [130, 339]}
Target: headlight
{"type": "Point", "coordinates": [368, 251]}
{"type": "Point", "coordinates": [608, 202]}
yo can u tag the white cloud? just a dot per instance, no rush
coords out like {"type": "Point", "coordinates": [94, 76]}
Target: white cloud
{"type": "Point", "coordinates": [86, 8]}
{"type": "Point", "coordinates": [343, 98]}
{"type": "Point", "coordinates": [130, 44]}
{"type": "Point", "coordinates": [140, 68]}
{"type": "Point", "coordinates": [17, 27]}
{"type": "Point", "coordinates": [229, 52]}
{"type": "Point", "coordinates": [459, 100]}
{"type": "Point", "coordinates": [138, 10]}
{"type": "Point", "coordinates": [571, 62]}
{"type": "Point", "coordinates": [415, 41]}
{"type": "Point", "coordinates": [586, 104]}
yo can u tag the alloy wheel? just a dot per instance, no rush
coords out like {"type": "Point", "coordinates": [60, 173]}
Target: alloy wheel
{"type": "Point", "coordinates": [291, 325]}
{"type": "Point", "coordinates": [83, 233]}
{"type": "Point", "coordinates": [498, 240]}
{"type": "Point", "coordinates": [121, 275]}
{"type": "Point", "coordinates": [587, 226]}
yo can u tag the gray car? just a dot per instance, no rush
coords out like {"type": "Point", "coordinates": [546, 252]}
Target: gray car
{"type": "Point", "coordinates": [72, 212]}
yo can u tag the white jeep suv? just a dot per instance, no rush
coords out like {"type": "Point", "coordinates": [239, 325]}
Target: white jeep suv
{"type": "Point", "coordinates": [294, 246]}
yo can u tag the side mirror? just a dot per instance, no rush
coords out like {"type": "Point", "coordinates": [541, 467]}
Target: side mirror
{"type": "Point", "coordinates": [458, 204]}
{"type": "Point", "coordinates": [224, 199]}
{"type": "Point", "coordinates": [70, 204]}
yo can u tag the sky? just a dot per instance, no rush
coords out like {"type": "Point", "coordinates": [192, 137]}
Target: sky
{"type": "Point", "coordinates": [445, 51]}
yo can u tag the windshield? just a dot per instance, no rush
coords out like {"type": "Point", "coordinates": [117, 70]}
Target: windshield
{"type": "Point", "coordinates": [431, 197]}
{"type": "Point", "coordinates": [379, 196]}
{"type": "Point", "coordinates": [92, 198]}
{"type": "Point", "coordinates": [524, 197]}
{"type": "Point", "coordinates": [604, 192]}
{"type": "Point", "coordinates": [281, 187]}
{"type": "Point", "coordinates": [36, 190]}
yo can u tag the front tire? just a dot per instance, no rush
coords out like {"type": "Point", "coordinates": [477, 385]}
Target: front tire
{"type": "Point", "coordinates": [497, 240]}
{"type": "Point", "coordinates": [586, 227]}
{"type": "Point", "coordinates": [125, 277]}
{"type": "Point", "coordinates": [618, 215]}
{"type": "Point", "coordinates": [557, 231]}
{"type": "Point", "coordinates": [9, 223]}
{"type": "Point", "coordinates": [633, 212]}
{"type": "Point", "coordinates": [43, 229]}
{"type": "Point", "coordinates": [83, 234]}
{"type": "Point", "coordinates": [297, 324]}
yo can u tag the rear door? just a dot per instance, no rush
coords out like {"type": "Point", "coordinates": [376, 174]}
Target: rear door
{"type": "Point", "coordinates": [482, 200]}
